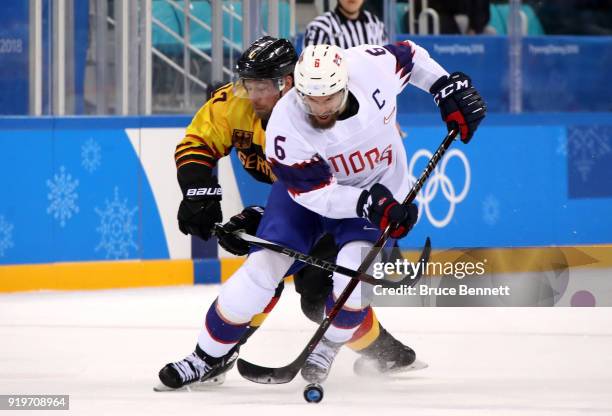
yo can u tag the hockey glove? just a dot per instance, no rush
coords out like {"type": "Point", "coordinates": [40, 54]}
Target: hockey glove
{"type": "Point", "coordinates": [200, 208]}
{"type": "Point", "coordinates": [460, 104]}
{"type": "Point", "coordinates": [247, 221]}
{"type": "Point", "coordinates": [379, 206]}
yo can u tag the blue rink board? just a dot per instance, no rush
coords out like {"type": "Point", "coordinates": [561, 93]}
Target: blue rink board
{"type": "Point", "coordinates": [536, 180]}
{"type": "Point", "coordinates": [74, 190]}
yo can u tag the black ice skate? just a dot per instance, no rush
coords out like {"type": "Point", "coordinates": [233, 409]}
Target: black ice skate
{"type": "Point", "coordinates": [318, 364]}
{"type": "Point", "coordinates": [196, 370]}
{"type": "Point", "coordinates": [386, 355]}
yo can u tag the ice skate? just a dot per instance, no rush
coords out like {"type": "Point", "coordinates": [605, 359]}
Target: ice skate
{"type": "Point", "coordinates": [386, 355]}
{"type": "Point", "coordinates": [196, 371]}
{"type": "Point", "coordinates": [319, 362]}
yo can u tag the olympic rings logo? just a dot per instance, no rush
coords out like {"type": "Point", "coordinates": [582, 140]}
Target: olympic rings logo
{"type": "Point", "coordinates": [439, 180]}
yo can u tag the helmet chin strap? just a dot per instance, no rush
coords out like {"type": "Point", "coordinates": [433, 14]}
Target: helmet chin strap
{"type": "Point", "coordinates": [344, 100]}
{"type": "Point", "coordinates": [280, 93]}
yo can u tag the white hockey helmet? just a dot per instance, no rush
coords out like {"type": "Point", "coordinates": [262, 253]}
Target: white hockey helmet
{"type": "Point", "coordinates": [321, 71]}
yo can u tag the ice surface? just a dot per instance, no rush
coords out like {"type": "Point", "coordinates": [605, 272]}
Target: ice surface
{"type": "Point", "coordinates": [104, 348]}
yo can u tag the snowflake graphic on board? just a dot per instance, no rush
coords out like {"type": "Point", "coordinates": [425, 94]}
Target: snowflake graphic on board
{"type": "Point", "coordinates": [490, 210]}
{"type": "Point", "coordinates": [63, 196]}
{"type": "Point", "coordinates": [588, 144]}
{"type": "Point", "coordinates": [6, 236]}
{"type": "Point", "coordinates": [116, 228]}
{"type": "Point", "coordinates": [562, 146]}
{"type": "Point", "coordinates": [91, 155]}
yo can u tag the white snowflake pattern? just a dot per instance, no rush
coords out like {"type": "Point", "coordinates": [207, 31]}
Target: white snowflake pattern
{"type": "Point", "coordinates": [116, 228]}
{"type": "Point", "coordinates": [562, 146]}
{"type": "Point", "coordinates": [6, 236]}
{"type": "Point", "coordinates": [91, 155]}
{"type": "Point", "coordinates": [587, 145]}
{"type": "Point", "coordinates": [490, 210]}
{"type": "Point", "coordinates": [63, 196]}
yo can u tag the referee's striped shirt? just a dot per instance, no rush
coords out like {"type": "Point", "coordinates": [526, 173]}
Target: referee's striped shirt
{"type": "Point", "coordinates": [333, 28]}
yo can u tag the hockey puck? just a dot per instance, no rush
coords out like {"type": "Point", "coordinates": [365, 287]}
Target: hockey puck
{"type": "Point", "coordinates": [313, 393]}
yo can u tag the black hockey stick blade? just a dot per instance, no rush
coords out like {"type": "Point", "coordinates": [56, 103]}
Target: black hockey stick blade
{"type": "Point", "coordinates": [267, 375]}
{"type": "Point", "coordinates": [282, 375]}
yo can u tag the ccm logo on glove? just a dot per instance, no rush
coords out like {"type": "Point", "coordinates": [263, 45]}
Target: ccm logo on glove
{"type": "Point", "coordinates": [461, 106]}
{"type": "Point", "coordinates": [452, 88]}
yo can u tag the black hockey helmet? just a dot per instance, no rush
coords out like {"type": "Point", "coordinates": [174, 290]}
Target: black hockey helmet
{"type": "Point", "coordinates": [267, 57]}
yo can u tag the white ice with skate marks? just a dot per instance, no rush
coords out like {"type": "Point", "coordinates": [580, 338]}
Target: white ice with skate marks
{"type": "Point", "coordinates": [104, 348]}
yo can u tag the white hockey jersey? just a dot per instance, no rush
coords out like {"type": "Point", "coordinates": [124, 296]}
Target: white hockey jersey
{"type": "Point", "coordinates": [327, 170]}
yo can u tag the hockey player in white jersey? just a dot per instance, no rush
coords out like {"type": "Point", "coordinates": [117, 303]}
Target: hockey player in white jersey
{"type": "Point", "coordinates": [341, 169]}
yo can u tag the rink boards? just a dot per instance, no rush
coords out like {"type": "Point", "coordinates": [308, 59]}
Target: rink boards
{"type": "Point", "coordinates": [91, 202]}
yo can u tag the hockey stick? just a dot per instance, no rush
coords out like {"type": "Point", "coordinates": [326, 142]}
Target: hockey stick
{"type": "Point", "coordinates": [315, 261]}
{"type": "Point", "coordinates": [411, 279]}
{"type": "Point", "coordinates": [267, 375]}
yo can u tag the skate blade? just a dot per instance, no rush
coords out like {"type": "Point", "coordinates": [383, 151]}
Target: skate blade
{"type": "Point", "coordinates": [369, 368]}
{"type": "Point", "coordinates": [193, 387]}
{"type": "Point", "coordinates": [415, 366]}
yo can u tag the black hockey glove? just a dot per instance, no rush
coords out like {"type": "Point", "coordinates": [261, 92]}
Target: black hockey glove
{"type": "Point", "coordinates": [247, 221]}
{"type": "Point", "coordinates": [460, 104]}
{"type": "Point", "coordinates": [200, 208]}
{"type": "Point", "coordinates": [379, 206]}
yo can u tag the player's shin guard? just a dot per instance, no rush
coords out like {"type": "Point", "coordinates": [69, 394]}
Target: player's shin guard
{"type": "Point", "coordinates": [346, 322]}
{"type": "Point", "coordinates": [220, 335]}
{"type": "Point", "coordinates": [367, 333]}
{"type": "Point", "coordinates": [355, 309]}
{"type": "Point", "coordinates": [241, 298]}
{"type": "Point", "coordinates": [259, 319]}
